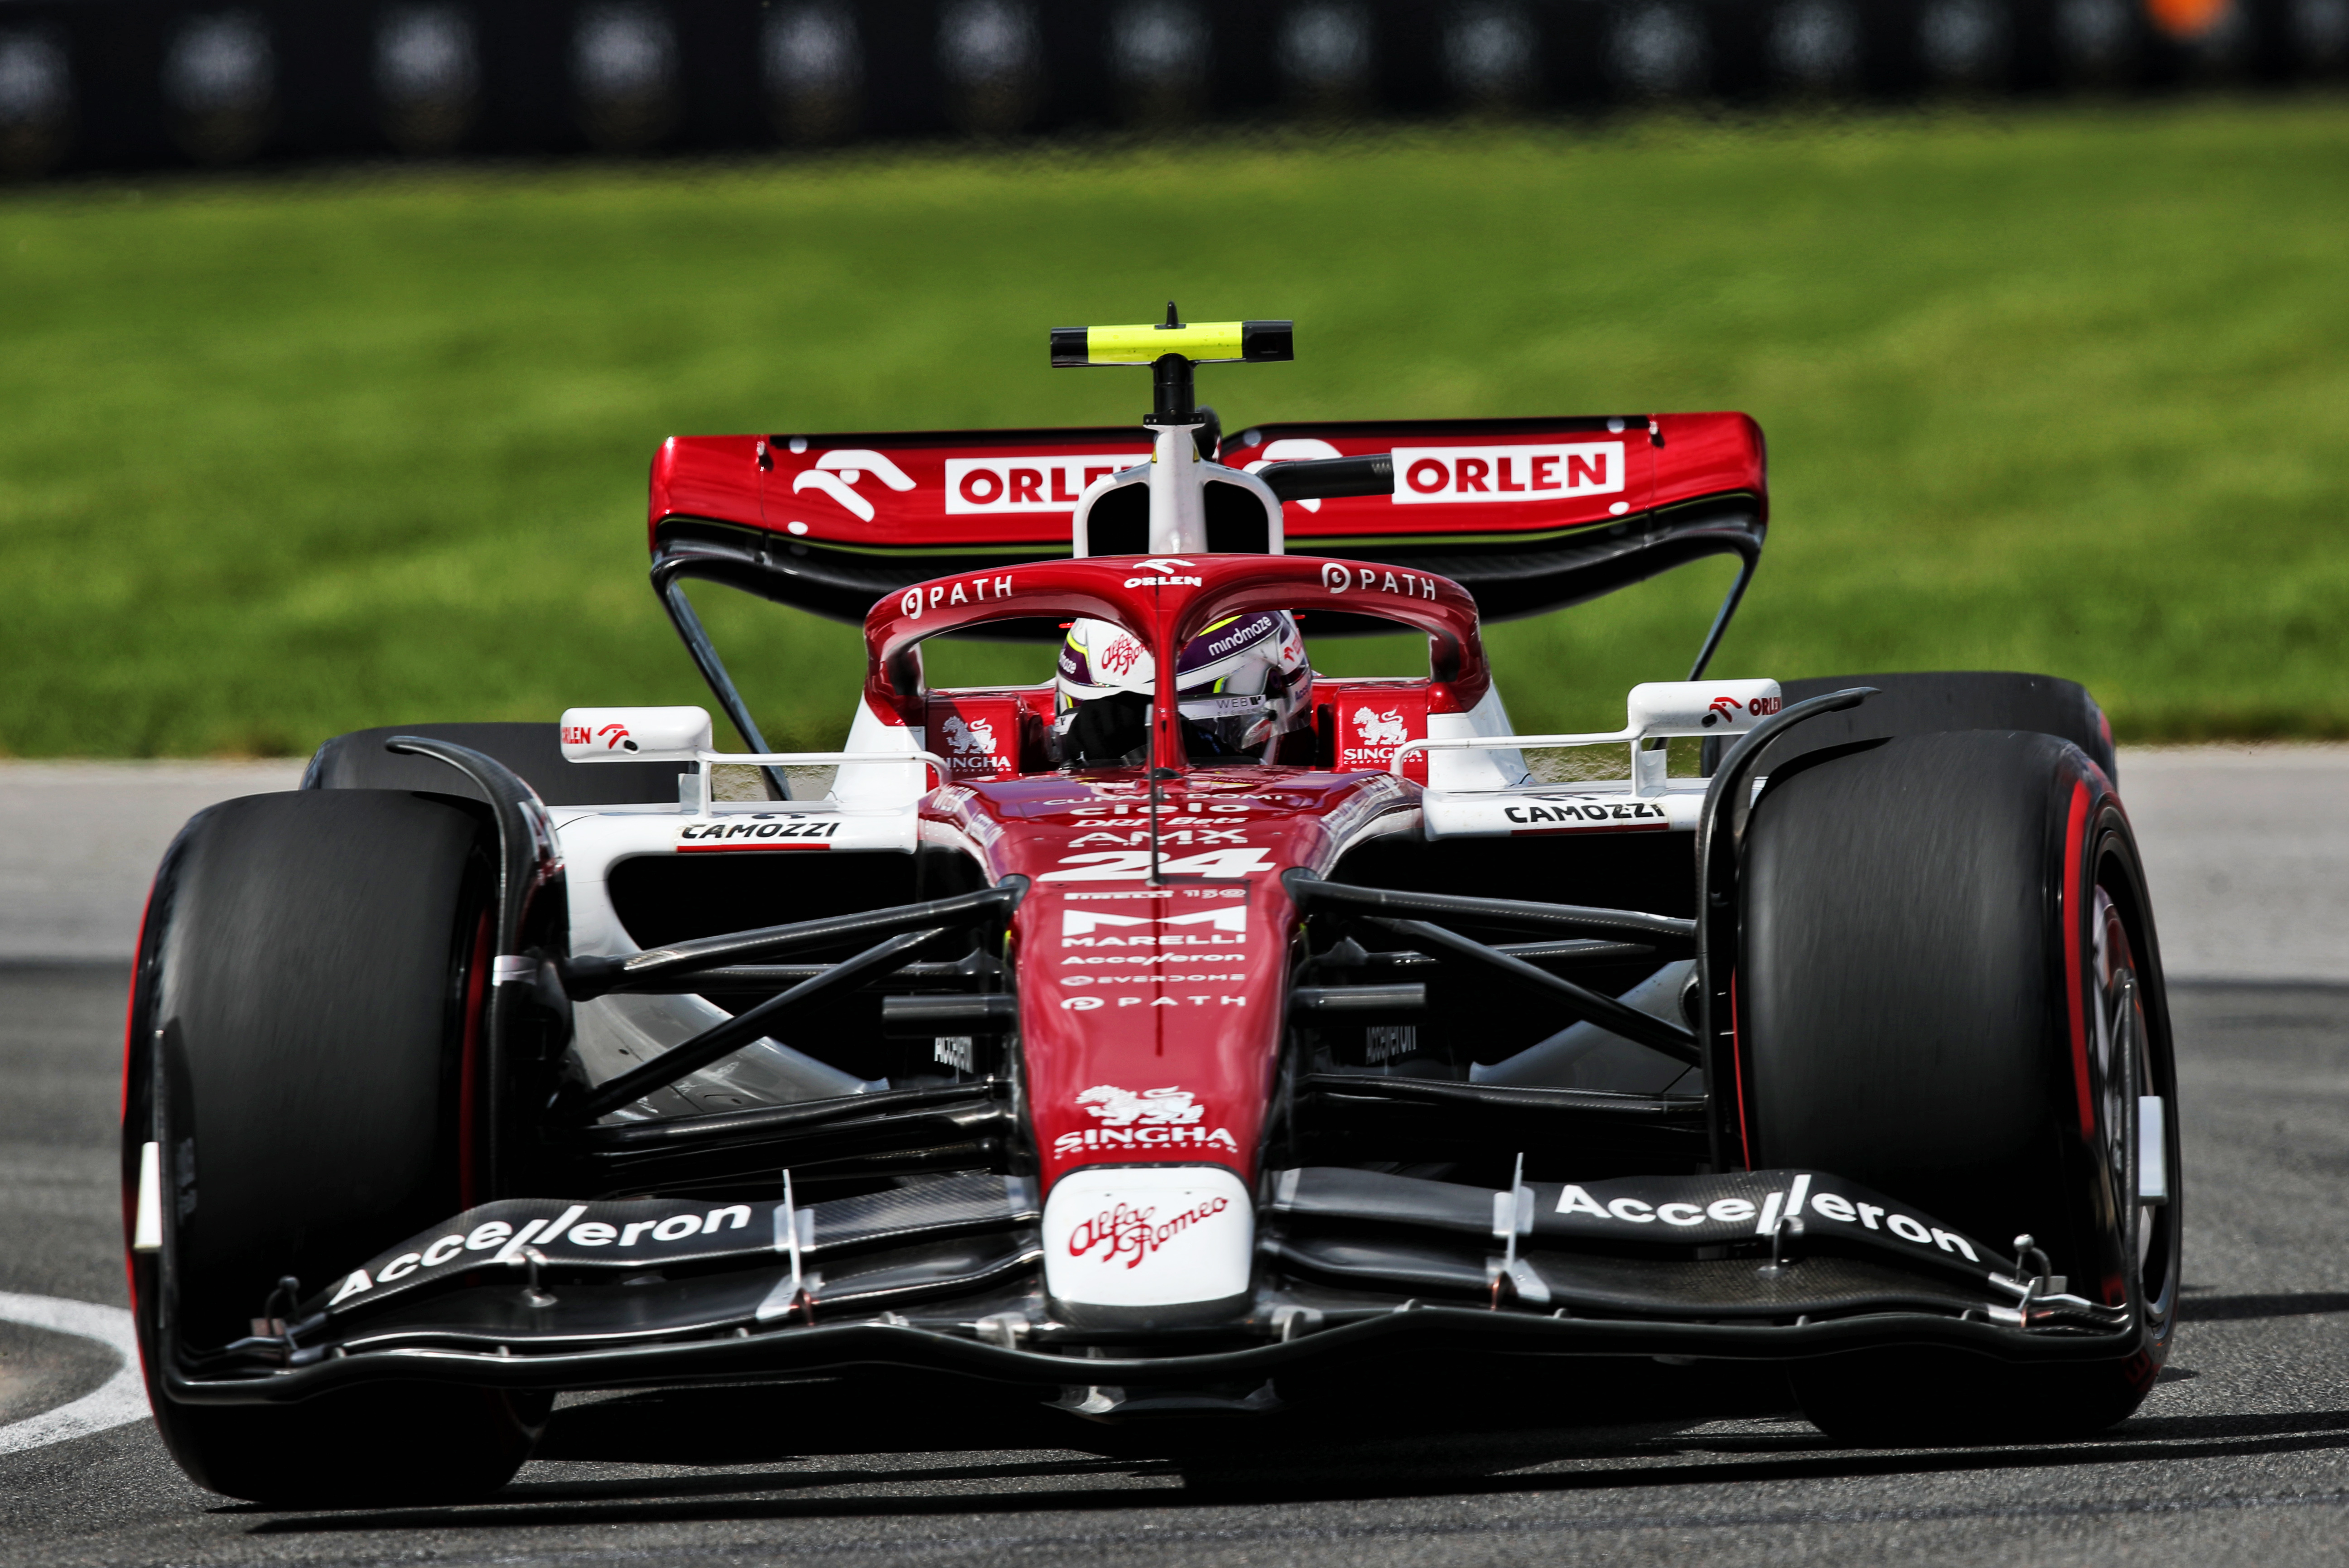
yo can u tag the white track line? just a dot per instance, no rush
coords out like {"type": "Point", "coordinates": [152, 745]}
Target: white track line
{"type": "Point", "coordinates": [123, 1397]}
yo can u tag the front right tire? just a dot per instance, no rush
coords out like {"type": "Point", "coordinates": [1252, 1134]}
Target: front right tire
{"type": "Point", "coordinates": [1949, 990]}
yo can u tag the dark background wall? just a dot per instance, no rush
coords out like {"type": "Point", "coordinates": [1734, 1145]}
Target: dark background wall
{"type": "Point", "coordinates": [128, 83]}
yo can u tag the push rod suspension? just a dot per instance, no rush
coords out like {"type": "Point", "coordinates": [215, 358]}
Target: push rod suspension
{"type": "Point", "coordinates": [659, 967]}
{"type": "Point", "coordinates": [718, 1040]}
{"type": "Point", "coordinates": [1597, 1007]}
{"type": "Point", "coordinates": [1573, 951]}
{"type": "Point", "coordinates": [1665, 930]}
{"type": "Point", "coordinates": [970, 971]}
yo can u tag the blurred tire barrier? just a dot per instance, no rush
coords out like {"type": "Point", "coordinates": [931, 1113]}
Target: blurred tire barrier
{"type": "Point", "coordinates": [425, 72]}
{"type": "Point", "coordinates": [130, 84]}
{"type": "Point", "coordinates": [37, 99]}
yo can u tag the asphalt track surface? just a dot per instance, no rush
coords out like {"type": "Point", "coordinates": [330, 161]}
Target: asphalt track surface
{"type": "Point", "coordinates": [2238, 1454]}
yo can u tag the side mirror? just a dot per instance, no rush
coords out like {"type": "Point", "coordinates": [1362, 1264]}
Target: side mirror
{"type": "Point", "coordinates": [634, 734]}
{"type": "Point", "coordinates": [1700, 707]}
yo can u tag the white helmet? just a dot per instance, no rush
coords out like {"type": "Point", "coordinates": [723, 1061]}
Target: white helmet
{"type": "Point", "coordinates": [1242, 683]}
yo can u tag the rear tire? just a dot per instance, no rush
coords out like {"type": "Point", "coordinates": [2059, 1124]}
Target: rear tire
{"type": "Point", "coordinates": [304, 1042]}
{"type": "Point", "coordinates": [1939, 934]}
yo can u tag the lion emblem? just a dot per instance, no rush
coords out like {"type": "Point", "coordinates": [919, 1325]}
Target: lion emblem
{"type": "Point", "coordinates": [1380, 729]}
{"type": "Point", "coordinates": [1123, 1108]}
{"type": "Point", "coordinates": [965, 739]}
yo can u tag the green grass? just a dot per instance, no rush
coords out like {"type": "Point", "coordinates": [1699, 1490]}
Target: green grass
{"type": "Point", "coordinates": [2065, 390]}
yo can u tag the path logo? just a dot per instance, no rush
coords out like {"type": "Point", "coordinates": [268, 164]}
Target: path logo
{"type": "Point", "coordinates": [1385, 729]}
{"type": "Point", "coordinates": [1123, 1109]}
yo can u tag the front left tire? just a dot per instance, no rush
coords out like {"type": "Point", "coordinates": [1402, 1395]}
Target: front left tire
{"type": "Point", "coordinates": [305, 1048]}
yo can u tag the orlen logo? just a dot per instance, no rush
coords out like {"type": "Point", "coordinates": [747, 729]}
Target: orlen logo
{"type": "Point", "coordinates": [1028, 484]}
{"type": "Point", "coordinates": [837, 474]}
{"type": "Point", "coordinates": [1449, 474]}
{"type": "Point", "coordinates": [1165, 568]}
{"type": "Point", "coordinates": [1725, 709]}
{"type": "Point", "coordinates": [614, 736]}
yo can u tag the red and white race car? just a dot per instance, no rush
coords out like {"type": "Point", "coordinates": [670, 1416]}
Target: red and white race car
{"type": "Point", "coordinates": [1149, 1032]}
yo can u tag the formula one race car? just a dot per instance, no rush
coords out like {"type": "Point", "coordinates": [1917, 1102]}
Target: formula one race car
{"type": "Point", "coordinates": [1147, 1034]}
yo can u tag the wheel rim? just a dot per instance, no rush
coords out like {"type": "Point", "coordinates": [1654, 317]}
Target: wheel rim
{"type": "Point", "coordinates": [2126, 1068]}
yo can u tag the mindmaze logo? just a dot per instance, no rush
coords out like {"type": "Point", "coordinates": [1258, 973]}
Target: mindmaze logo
{"type": "Point", "coordinates": [1131, 1233]}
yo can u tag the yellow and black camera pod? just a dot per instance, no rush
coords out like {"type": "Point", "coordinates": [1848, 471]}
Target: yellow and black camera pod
{"type": "Point", "coordinates": [1175, 472]}
{"type": "Point", "coordinates": [1171, 349]}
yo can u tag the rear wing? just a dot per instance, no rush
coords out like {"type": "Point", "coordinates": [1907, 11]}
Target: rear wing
{"type": "Point", "coordinates": [1528, 515]}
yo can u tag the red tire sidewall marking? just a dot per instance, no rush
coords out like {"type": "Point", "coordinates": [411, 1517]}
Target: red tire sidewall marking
{"type": "Point", "coordinates": [469, 1067]}
{"type": "Point", "coordinates": [2075, 920]}
{"type": "Point", "coordinates": [1737, 1070]}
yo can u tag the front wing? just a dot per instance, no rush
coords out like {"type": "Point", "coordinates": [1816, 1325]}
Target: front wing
{"type": "Point", "coordinates": [946, 1275]}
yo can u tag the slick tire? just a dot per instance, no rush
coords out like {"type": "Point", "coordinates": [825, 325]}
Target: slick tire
{"type": "Point", "coordinates": [534, 752]}
{"type": "Point", "coordinates": [303, 1045]}
{"type": "Point", "coordinates": [1930, 701]}
{"type": "Point", "coordinates": [1949, 990]}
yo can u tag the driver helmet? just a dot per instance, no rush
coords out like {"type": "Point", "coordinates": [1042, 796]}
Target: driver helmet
{"type": "Point", "coordinates": [1242, 683]}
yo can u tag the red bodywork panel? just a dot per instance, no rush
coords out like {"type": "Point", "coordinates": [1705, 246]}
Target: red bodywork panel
{"type": "Point", "coordinates": [1128, 986]}
{"type": "Point", "coordinates": [1182, 986]}
{"type": "Point", "coordinates": [973, 490]}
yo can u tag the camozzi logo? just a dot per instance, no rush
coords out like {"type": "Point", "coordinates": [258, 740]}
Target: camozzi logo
{"type": "Point", "coordinates": [1028, 484]}
{"type": "Point", "coordinates": [1166, 1118]}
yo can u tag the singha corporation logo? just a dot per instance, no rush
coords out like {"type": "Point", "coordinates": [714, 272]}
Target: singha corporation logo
{"type": "Point", "coordinates": [1159, 1107]}
{"type": "Point", "coordinates": [974, 737]}
{"type": "Point", "coordinates": [1385, 729]}
{"type": "Point", "coordinates": [1168, 1120]}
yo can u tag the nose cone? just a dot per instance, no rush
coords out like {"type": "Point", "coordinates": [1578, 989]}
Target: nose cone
{"type": "Point", "coordinates": [1148, 1246]}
